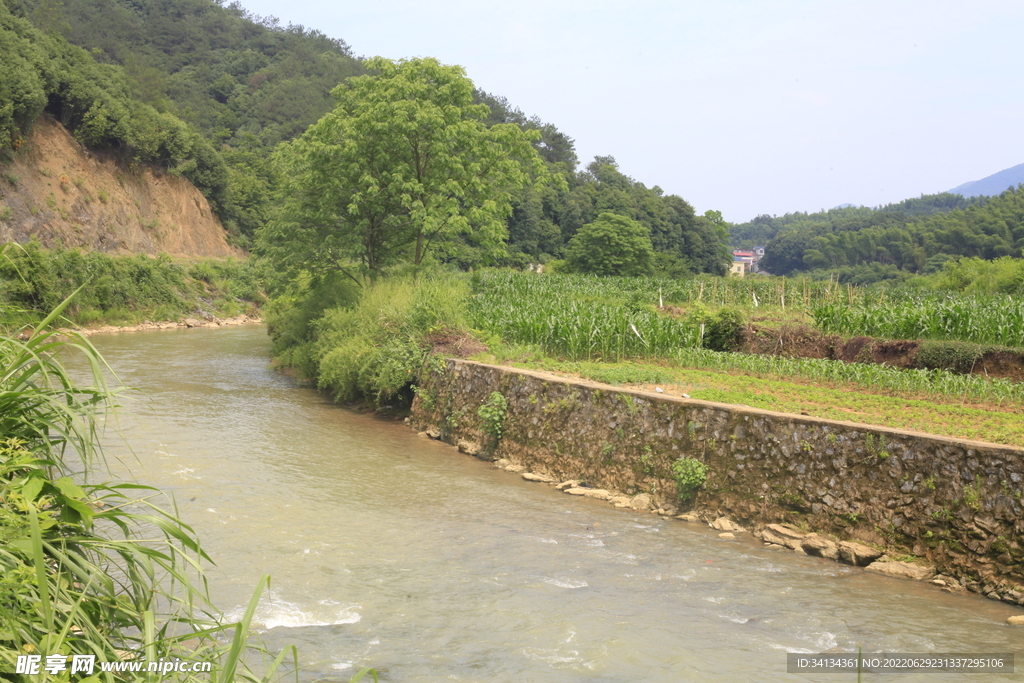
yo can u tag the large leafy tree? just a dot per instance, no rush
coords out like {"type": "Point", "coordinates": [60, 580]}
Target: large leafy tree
{"type": "Point", "coordinates": [405, 158]}
{"type": "Point", "coordinates": [611, 245]}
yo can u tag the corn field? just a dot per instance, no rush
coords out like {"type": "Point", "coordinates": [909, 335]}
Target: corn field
{"type": "Point", "coordinates": [996, 319]}
{"type": "Point", "coordinates": [610, 319]}
{"type": "Point", "coordinates": [566, 317]}
{"type": "Point", "coordinates": [714, 292]}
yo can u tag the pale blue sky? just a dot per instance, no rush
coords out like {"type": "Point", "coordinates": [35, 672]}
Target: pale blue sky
{"type": "Point", "coordinates": [747, 107]}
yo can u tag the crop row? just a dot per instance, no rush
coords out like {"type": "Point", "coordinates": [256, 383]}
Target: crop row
{"type": "Point", "coordinates": [581, 318]}
{"type": "Point", "coordinates": [714, 292]}
{"type": "Point", "coordinates": [885, 377]}
{"type": "Point", "coordinates": [996, 319]}
{"type": "Point", "coordinates": [578, 328]}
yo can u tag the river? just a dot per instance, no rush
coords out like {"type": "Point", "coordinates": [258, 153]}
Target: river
{"type": "Point", "coordinates": [390, 550]}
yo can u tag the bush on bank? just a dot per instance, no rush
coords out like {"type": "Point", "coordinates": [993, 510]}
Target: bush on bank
{"type": "Point", "coordinates": [35, 280]}
{"type": "Point", "coordinates": [365, 343]}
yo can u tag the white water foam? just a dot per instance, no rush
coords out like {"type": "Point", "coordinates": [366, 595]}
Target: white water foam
{"type": "Point", "coordinates": [566, 583]}
{"type": "Point", "coordinates": [274, 611]}
{"type": "Point", "coordinates": [552, 656]}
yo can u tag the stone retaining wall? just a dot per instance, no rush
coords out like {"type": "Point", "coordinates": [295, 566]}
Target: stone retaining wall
{"type": "Point", "coordinates": [955, 505]}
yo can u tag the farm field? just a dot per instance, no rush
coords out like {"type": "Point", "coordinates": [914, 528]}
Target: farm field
{"type": "Point", "coordinates": [645, 333]}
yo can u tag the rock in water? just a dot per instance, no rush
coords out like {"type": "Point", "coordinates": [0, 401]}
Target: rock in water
{"type": "Point", "coordinates": [813, 544]}
{"type": "Point", "coordinates": [780, 535]}
{"type": "Point", "coordinates": [600, 494]}
{"type": "Point", "coordinates": [725, 524]}
{"type": "Point", "coordinates": [903, 570]}
{"type": "Point", "coordinates": [858, 554]}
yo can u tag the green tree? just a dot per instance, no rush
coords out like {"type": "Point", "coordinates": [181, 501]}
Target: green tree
{"type": "Point", "coordinates": [404, 158]}
{"type": "Point", "coordinates": [611, 245]}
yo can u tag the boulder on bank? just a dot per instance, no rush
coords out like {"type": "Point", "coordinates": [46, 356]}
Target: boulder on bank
{"type": "Point", "coordinates": [903, 570]}
{"type": "Point", "coordinates": [784, 536]}
{"type": "Point", "coordinates": [641, 501]}
{"type": "Point", "coordinates": [725, 524]}
{"type": "Point", "coordinates": [469, 447]}
{"type": "Point", "coordinates": [600, 494]}
{"type": "Point", "coordinates": [858, 554]}
{"type": "Point", "coordinates": [813, 544]}
{"type": "Point", "coordinates": [533, 476]}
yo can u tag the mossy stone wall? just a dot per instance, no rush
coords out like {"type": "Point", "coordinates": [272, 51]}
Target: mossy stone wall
{"type": "Point", "coordinates": [956, 504]}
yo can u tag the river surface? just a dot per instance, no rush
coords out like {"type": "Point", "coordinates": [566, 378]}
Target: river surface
{"type": "Point", "coordinates": [390, 550]}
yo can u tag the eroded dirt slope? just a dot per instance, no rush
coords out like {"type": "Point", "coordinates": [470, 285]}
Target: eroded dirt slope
{"type": "Point", "coordinates": [65, 195]}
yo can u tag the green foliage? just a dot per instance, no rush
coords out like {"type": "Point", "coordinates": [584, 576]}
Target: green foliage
{"type": "Point", "coordinates": [916, 236]}
{"type": "Point", "coordinates": [995, 319]}
{"type": "Point", "coordinates": [974, 493]}
{"type": "Point", "coordinates": [403, 160]}
{"type": "Point", "coordinates": [492, 412]}
{"type": "Point", "coordinates": [911, 381]}
{"type": "Point", "coordinates": [621, 373]}
{"type": "Point", "coordinates": [690, 476]}
{"type": "Point", "coordinates": [1004, 275]}
{"type": "Point", "coordinates": [364, 343]}
{"type": "Point", "coordinates": [574, 316]}
{"type": "Point", "coordinates": [92, 568]}
{"type": "Point", "coordinates": [123, 288]}
{"type": "Point", "coordinates": [726, 332]}
{"type": "Point", "coordinates": [611, 245]}
{"type": "Point", "coordinates": [545, 219]}
{"type": "Point", "coordinates": [94, 101]}
{"type": "Point", "coordinates": [953, 356]}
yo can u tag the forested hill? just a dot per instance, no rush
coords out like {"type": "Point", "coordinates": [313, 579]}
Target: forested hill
{"type": "Point", "coordinates": [209, 91]}
{"type": "Point", "coordinates": [204, 90]}
{"type": "Point", "coordinates": [914, 236]}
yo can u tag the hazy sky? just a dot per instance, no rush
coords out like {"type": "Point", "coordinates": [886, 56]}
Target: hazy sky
{"type": "Point", "coordinates": [747, 107]}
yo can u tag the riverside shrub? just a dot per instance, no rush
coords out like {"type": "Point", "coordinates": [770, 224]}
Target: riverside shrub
{"type": "Point", "coordinates": [36, 280]}
{"type": "Point", "coordinates": [365, 343]}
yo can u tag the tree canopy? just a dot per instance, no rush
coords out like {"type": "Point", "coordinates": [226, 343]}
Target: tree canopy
{"type": "Point", "coordinates": [404, 158]}
{"type": "Point", "coordinates": [209, 90]}
{"type": "Point", "coordinates": [611, 245]}
{"type": "Point", "coordinates": [915, 236]}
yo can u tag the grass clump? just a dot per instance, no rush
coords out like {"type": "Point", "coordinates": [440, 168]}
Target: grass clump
{"type": "Point", "coordinates": [365, 343]}
{"type": "Point", "coordinates": [492, 413]}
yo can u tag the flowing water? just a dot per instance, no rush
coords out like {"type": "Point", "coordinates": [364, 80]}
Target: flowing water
{"type": "Point", "coordinates": [390, 550]}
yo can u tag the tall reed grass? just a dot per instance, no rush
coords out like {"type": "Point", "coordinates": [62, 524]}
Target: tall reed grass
{"type": "Point", "coordinates": [86, 568]}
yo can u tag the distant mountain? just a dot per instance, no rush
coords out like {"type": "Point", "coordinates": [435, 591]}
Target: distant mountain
{"type": "Point", "coordinates": [993, 184]}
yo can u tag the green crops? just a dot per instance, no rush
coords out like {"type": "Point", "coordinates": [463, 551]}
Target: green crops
{"type": "Point", "coordinates": [884, 377]}
{"type": "Point", "coordinates": [579, 318]}
{"type": "Point", "coordinates": [994, 319]}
